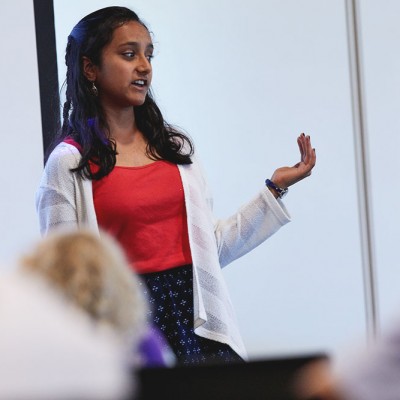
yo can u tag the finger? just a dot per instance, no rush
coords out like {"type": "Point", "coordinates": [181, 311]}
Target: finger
{"type": "Point", "coordinates": [306, 147]}
{"type": "Point", "coordinates": [301, 144]}
{"type": "Point", "coordinates": [303, 147]}
{"type": "Point", "coordinates": [312, 155]}
{"type": "Point", "coordinates": [308, 151]}
{"type": "Point", "coordinates": [313, 158]}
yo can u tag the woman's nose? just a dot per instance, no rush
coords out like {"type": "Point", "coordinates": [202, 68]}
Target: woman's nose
{"type": "Point", "coordinates": [144, 65]}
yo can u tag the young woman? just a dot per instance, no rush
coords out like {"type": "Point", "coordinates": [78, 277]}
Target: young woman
{"type": "Point", "coordinates": [119, 166]}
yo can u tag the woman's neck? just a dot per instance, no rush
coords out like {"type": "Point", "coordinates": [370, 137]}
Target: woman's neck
{"type": "Point", "coordinates": [121, 123]}
{"type": "Point", "coordinates": [131, 143]}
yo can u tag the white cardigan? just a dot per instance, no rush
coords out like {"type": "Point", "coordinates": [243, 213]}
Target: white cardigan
{"type": "Point", "coordinates": [64, 199]}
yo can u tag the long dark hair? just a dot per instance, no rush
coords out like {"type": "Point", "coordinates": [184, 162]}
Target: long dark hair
{"type": "Point", "coordinates": [83, 118]}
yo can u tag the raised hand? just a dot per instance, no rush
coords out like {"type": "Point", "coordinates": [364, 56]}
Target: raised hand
{"type": "Point", "coordinates": [287, 176]}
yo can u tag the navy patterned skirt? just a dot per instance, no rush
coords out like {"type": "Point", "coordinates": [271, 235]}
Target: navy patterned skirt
{"type": "Point", "coordinates": [170, 294]}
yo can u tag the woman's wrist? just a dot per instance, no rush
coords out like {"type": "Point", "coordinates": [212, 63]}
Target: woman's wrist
{"type": "Point", "coordinates": [276, 190]}
{"type": "Point", "coordinates": [273, 191]}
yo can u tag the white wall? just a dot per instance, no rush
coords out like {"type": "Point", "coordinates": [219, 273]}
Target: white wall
{"type": "Point", "coordinates": [244, 80]}
{"type": "Point", "coordinates": [381, 33]}
{"type": "Point", "coordinates": [21, 131]}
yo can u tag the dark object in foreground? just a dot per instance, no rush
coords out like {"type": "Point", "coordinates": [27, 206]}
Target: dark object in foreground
{"type": "Point", "coordinates": [270, 379]}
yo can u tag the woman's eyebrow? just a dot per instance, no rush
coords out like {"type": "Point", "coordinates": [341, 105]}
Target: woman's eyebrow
{"type": "Point", "coordinates": [150, 46]}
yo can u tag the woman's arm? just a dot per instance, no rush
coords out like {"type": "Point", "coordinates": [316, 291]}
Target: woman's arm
{"type": "Point", "coordinates": [56, 197]}
{"type": "Point", "coordinates": [263, 215]}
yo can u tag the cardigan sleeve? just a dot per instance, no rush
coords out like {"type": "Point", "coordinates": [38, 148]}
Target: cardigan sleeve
{"type": "Point", "coordinates": [251, 225]}
{"type": "Point", "coordinates": [56, 197]}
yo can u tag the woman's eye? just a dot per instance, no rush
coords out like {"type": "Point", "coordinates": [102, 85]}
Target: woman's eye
{"type": "Point", "coordinates": [132, 54]}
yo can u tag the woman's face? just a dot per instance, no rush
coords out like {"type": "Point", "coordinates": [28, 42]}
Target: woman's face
{"type": "Point", "coordinates": [124, 75]}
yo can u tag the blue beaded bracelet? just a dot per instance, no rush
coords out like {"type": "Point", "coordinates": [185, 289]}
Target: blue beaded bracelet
{"type": "Point", "coordinates": [281, 192]}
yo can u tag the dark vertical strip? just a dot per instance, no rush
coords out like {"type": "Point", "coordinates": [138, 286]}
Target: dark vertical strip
{"type": "Point", "coordinates": [47, 65]}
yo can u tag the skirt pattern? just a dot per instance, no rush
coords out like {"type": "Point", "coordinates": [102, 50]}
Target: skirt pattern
{"type": "Point", "coordinates": [170, 294]}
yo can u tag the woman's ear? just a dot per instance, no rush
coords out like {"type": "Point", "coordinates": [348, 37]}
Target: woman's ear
{"type": "Point", "coordinates": [89, 69]}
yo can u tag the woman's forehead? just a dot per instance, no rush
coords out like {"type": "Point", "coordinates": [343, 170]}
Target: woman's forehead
{"type": "Point", "coordinates": [131, 31]}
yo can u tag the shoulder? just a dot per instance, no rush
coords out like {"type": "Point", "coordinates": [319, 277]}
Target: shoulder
{"type": "Point", "coordinates": [64, 155]}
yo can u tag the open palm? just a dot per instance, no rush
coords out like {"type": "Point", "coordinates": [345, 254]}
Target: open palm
{"type": "Point", "coordinates": [287, 176]}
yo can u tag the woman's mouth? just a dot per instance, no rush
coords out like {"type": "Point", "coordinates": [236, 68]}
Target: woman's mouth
{"type": "Point", "coordinates": [140, 83]}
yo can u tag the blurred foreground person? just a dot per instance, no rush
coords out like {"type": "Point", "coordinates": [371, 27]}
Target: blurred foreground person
{"type": "Point", "coordinates": [50, 350]}
{"type": "Point", "coordinates": [92, 272]}
{"type": "Point", "coordinates": [370, 374]}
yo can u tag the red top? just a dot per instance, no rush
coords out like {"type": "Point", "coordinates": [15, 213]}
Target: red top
{"type": "Point", "coordinates": [144, 209]}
